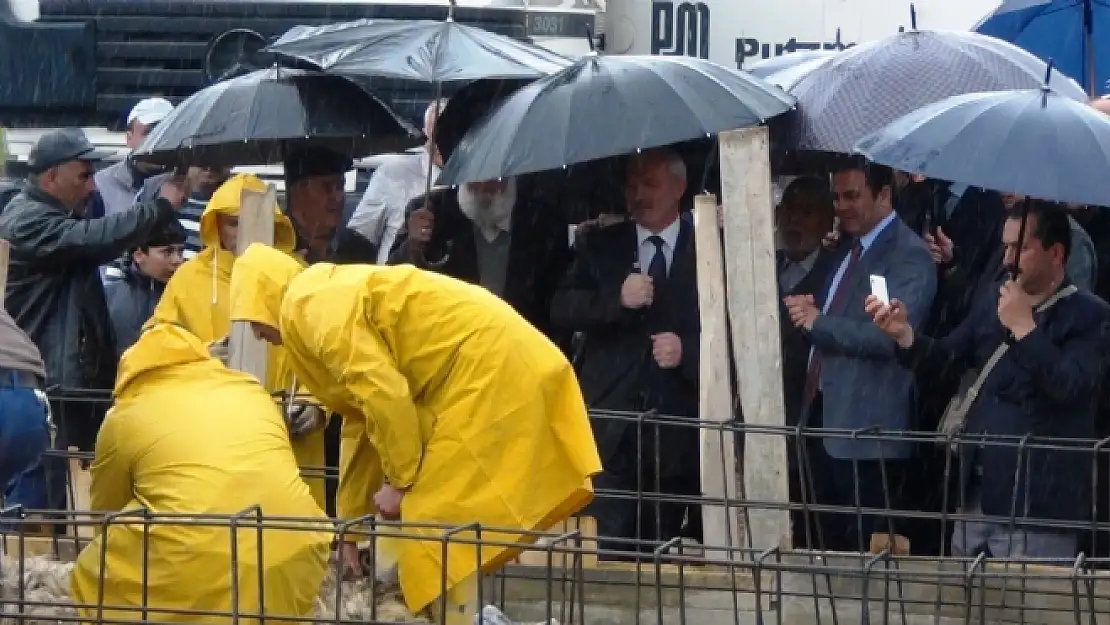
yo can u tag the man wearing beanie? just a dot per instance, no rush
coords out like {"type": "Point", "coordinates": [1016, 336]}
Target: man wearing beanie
{"type": "Point", "coordinates": [314, 196]}
{"type": "Point", "coordinates": [133, 296]}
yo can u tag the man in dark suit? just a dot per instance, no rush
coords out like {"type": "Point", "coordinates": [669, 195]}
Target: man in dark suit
{"type": "Point", "coordinates": [803, 219]}
{"type": "Point", "coordinates": [633, 292]}
{"type": "Point", "coordinates": [853, 381]}
{"type": "Point", "coordinates": [499, 234]}
{"type": "Point", "coordinates": [1049, 343]}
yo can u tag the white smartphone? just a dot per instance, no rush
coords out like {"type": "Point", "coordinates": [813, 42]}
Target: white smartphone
{"type": "Point", "coordinates": [878, 289]}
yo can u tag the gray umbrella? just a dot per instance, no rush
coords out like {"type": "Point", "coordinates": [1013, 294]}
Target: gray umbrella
{"type": "Point", "coordinates": [608, 106]}
{"type": "Point", "coordinates": [1030, 142]}
{"type": "Point", "coordinates": [868, 86]}
{"type": "Point", "coordinates": [260, 118]}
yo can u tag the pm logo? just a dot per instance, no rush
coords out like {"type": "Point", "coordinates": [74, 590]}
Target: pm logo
{"type": "Point", "coordinates": [680, 29]}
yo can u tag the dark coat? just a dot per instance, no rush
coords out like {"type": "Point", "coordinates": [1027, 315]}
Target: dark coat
{"type": "Point", "coordinates": [1045, 386]}
{"type": "Point", "coordinates": [795, 343]}
{"type": "Point", "coordinates": [54, 290]}
{"type": "Point", "coordinates": [538, 255]}
{"type": "Point", "coordinates": [131, 301]}
{"type": "Point", "coordinates": [617, 371]}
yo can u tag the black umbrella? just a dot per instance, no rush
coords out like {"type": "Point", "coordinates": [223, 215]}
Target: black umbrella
{"type": "Point", "coordinates": [865, 87]}
{"type": "Point", "coordinates": [419, 50]}
{"type": "Point", "coordinates": [606, 106]}
{"type": "Point", "coordinates": [260, 118]}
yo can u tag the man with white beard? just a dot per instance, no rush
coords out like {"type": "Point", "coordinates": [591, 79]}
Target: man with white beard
{"type": "Point", "coordinates": [493, 233]}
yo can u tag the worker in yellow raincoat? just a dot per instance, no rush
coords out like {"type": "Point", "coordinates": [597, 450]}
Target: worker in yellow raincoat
{"type": "Point", "coordinates": [469, 412]}
{"type": "Point", "coordinates": [187, 435]}
{"type": "Point", "coordinates": [197, 299]}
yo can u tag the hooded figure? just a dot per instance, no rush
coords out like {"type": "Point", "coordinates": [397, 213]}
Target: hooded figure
{"type": "Point", "coordinates": [468, 412]}
{"type": "Point", "coordinates": [156, 450]}
{"type": "Point", "coordinates": [197, 297]}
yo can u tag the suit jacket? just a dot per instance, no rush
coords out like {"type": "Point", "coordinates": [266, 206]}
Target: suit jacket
{"type": "Point", "coordinates": [795, 342]}
{"type": "Point", "coordinates": [538, 255]}
{"type": "Point", "coordinates": [862, 383]}
{"type": "Point", "coordinates": [617, 371]}
{"type": "Point", "coordinates": [1045, 386]}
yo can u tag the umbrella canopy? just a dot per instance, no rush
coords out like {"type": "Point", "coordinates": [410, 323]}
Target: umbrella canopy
{"type": "Point", "coordinates": [259, 118]}
{"type": "Point", "coordinates": [865, 87]}
{"type": "Point", "coordinates": [607, 106]}
{"type": "Point", "coordinates": [776, 64]}
{"type": "Point", "coordinates": [1073, 33]}
{"type": "Point", "coordinates": [421, 50]}
{"type": "Point", "coordinates": [1031, 142]}
{"type": "Point", "coordinates": [788, 77]}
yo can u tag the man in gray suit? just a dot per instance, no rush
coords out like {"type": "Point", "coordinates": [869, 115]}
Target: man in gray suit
{"type": "Point", "coordinates": [853, 381]}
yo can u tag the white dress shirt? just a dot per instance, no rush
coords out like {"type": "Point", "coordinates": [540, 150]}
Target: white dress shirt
{"type": "Point", "coordinates": [381, 213]}
{"type": "Point", "coordinates": [647, 248]}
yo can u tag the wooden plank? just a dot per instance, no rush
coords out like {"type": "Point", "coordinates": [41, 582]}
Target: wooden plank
{"type": "Point", "coordinates": [753, 306]}
{"type": "Point", "coordinates": [718, 448]}
{"type": "Point", "coordinates": [5, 258]}
{"type": "Point", "coordinates": [80, 499]}
{"type": "Point", "coordinates": [256, 225]}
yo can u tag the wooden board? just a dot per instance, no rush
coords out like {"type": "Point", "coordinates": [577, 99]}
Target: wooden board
{"type": "Point", "coordinates": [718, 447]}
{"type": "Point", "coordinates": [80, 499]}
{"type": "Point", "coordinates": [5, 257]}
{"type": "Point", "coordinates": [753, 306]}
{"type": "Point", "coordinates": [256, 225]}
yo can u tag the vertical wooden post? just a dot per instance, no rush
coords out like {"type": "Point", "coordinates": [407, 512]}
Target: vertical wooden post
{"type": "Point", "coordinates": [5, 257]}
{"type": "Point", "coordinates": [753, 304]}
{"type": "Point", "coordinates": [718, 449]}
{"type": "Point", "coordinates": [256, 225]}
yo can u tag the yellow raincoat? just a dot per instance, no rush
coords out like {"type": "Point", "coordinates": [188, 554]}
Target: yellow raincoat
{"type": "Point", "coordinates": [197, 298]}
{"type": "Point", "coordinates": [190, 436]}
{"type": "Point", "coordinates": [444, 389]}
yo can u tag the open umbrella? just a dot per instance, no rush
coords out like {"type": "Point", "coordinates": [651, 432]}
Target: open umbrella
{"type": "Point", "coordinates": [865, 87]}
{"type": "Point", "coordinates": [1032, 142]}
{"type": "Point", "coordinates": [1073, 33]}
{"type": "Point", "coordinates": [259, 118]}
{"type": "Point", "coordinates": [788, 77]}
{"type": "Point", "coordinates": [775, 64]}
{"type": "Point", "coordinates": [420, 50]}
{"type": "Point", "coordinates": [606, 106]}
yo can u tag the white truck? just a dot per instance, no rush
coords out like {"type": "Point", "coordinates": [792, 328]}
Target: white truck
{"type": "Point", "coordinates": [737, 33]}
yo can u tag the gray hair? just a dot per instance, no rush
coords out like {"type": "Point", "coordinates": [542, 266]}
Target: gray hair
{"type": "Point", "coordinates": [675, 165]}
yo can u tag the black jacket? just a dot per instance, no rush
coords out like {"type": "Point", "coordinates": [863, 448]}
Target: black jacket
{"type": "Point", "coordinates": [617, 370]}
{"type": "Point", "coordinates": [538, 256]}
{"type": "Point", "coordinates": [131, 302]}
{"type": "Point", "coordinates": [1046, 386]}
{"type": "Point", "coordinates": [54, 290]}
{"type": "Point", "coordinates": [795, 344]}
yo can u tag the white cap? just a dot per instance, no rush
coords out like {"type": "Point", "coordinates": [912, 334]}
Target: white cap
{"type": "Point", "coordinates": [150, 111]}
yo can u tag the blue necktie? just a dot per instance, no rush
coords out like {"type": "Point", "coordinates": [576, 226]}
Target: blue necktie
{"type": "Point", "coordinates": [657, 269]}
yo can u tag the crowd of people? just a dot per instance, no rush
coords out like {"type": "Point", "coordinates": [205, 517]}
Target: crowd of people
{"type": "Point", "coordinates": [996, 326]}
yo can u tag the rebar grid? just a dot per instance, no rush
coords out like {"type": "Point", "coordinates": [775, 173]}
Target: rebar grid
{"type": "Point", "coordinates": [671, 581]}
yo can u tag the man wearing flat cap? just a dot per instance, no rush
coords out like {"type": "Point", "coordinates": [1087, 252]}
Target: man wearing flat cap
{"type": "Point", "coordinates": [54, 291]}
{"type": "Point", "coordinates": [314, 193]}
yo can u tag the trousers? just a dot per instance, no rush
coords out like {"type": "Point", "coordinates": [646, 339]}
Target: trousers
{"type": "Point", "coordinates": [24, 433]}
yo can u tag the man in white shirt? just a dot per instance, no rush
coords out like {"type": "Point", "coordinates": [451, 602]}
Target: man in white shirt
{"type": "Point", "coordinates": [381, 213]}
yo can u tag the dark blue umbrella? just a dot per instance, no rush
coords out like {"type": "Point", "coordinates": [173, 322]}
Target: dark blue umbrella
{"type": "Point", "coordinates": [1073, 33]}
{"type": "Point", "coordinates": [865, 87]}
{"type": "Point", "coordinates": [604, 106]}
{"type": "Point", "coordinates": [1031, 142]}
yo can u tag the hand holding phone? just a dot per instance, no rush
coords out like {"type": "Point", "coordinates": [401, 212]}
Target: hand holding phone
{"type": "Point", "coordinates": [878, 289]}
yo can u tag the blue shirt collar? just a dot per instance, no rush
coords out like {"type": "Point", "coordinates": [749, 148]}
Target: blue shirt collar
{"type": "Point", "coordinates": [866, 240]}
